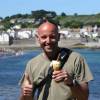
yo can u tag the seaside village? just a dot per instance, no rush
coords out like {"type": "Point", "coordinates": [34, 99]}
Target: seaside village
{"type": "Point", "coordinates": [16, 36]}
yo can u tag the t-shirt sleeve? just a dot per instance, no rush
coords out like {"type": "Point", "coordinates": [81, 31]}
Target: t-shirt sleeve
{"type": "Point", "coordinates": [82, 71]}
{"type": "Point", "coordinates": [28, 72]}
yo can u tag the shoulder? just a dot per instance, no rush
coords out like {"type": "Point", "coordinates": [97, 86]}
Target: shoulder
{"type": "Point", "coordinates": [72, 53]}
{"type": "Point", "coordinates": [74, 56]}
{"type": "Point", "coordinates": [35, 59]}
{"type": "Point", "coordinates": [32, 64]}
{"type": "Point", "coordinates": [77, 57]}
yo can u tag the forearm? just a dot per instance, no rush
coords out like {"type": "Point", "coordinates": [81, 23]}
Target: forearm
{"type": "Point", "coordinates": [22, 97]}
{"type": "Point", "coordinates": [80, 91]}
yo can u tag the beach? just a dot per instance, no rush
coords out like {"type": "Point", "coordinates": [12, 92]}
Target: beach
{"type": "Point", "coordinates": [27, 44]}
{"type": "Point", "coordinates": [21, 46]}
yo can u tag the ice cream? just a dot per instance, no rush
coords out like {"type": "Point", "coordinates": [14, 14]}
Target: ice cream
{"type": "Point", "coordinates": [56, 64]}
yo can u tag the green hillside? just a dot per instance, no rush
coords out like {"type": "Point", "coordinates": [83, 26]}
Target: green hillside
{"type": "Point", "coordinates": [33, 19]}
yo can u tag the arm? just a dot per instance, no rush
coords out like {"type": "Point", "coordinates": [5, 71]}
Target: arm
{"type": "Point", "coordinates": [83, 76]}
{"type": "Point", "coordinates": [79, 91]}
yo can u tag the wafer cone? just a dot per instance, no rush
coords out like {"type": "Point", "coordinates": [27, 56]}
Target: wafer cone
{"type": "Point", "coordinates": [56, 64]}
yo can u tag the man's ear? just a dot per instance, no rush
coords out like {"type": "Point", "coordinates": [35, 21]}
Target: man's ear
{"type": "Point", "coordinates": [37, 37]}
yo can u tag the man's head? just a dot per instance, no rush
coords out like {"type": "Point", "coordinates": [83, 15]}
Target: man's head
{"type": "Point", "coordinates": [48, 37]}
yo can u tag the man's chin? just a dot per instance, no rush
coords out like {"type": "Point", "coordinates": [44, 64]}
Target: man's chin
{"type": "Point", "coordinates": [48, 50]}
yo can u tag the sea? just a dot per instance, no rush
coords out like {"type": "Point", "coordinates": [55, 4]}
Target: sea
{"type": "Point", "coordinates": [13, 66]}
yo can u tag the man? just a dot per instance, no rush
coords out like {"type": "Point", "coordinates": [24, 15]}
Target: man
{"type": "Point", "coordinates": [68, 83]}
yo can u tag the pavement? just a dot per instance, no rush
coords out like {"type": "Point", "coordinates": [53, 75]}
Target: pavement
{"type": "Point", "coordinates": [68, 43]}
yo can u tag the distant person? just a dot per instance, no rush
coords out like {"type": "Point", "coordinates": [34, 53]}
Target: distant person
{"type": "Point", "coordinates": [95, 29]}
{"type": "Point", "coordinates": [11, 40]}
{"type": "Point", "coordinates": [55, 76]}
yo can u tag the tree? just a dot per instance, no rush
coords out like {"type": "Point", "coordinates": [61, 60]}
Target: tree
{"type": "Point", "coordinates": [7, 18]}
{"type": "Point", "coordinates": [73, 24]}
{"type": "Point", "coordinates": [76, 24]}
{"type": "Point", "coordinates": [75, 14]}
{"type": "Point", "coordinates": [39, 14]}
{"type": "Point", "coordinates": [16, 16]}
{"type": "Point", "coordinates": [63, 14]}
{"type": "Point", "coordinates": [1, 18]}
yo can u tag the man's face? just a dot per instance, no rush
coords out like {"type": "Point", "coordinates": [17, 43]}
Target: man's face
{"type": "Point", "coordinates": [48, 37]}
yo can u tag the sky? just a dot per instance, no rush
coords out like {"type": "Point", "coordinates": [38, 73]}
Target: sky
{"type": "Point", "coordinates": [12, 7]}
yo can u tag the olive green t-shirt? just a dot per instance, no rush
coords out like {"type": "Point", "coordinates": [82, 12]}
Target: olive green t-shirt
{"type": "Point", "coordinates": [76, 66]}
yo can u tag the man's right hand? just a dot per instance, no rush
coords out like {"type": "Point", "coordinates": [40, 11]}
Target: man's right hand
{"type": "Point", "coordinates": [27, 86]}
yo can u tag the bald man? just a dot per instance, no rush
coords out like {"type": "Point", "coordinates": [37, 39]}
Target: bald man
{"type": "Point", "coordinates": [68, 83]}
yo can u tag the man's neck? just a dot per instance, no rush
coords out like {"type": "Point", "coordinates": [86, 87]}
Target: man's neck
{"type": "Point", "coordinates": [53, 55]}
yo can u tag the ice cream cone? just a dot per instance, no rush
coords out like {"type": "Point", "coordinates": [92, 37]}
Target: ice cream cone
{"type": "Point", "coordinates": [56, 64]}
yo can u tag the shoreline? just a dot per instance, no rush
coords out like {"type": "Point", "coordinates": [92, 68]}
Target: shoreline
{"type": "Point", "coordinates": [30, 46]}
{"type": "Point", "coordinates": [72, 44]}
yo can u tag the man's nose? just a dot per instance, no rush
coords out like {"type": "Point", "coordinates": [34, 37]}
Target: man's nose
{"type": "Point", "coordinates": [48, 40]}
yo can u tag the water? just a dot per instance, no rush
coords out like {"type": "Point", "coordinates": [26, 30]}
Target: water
{"type": "Point", "coordinates": [93, 60]}
{"type": "Point", "coordinates": [11, 68]}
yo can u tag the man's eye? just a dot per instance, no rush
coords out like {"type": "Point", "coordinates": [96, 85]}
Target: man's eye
{"type": "Point", "coordinates": [52, 37]}
{"type": "Point", "coordinates": [43, 37]}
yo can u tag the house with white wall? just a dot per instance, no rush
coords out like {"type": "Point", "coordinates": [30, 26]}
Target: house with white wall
{"type": "Point", "coordinates": [4, 38]}
{"type": "Point", "coordinates": [24, 34]}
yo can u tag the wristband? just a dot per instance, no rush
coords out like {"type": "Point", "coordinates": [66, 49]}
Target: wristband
{"type": "Point", "coordinates": [74, 83]}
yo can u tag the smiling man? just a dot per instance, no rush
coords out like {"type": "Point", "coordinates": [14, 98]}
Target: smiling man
{"type": "Point", "coordinates": [68, 83]}
{"type": "Point", "coordinates": [48, 38]}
